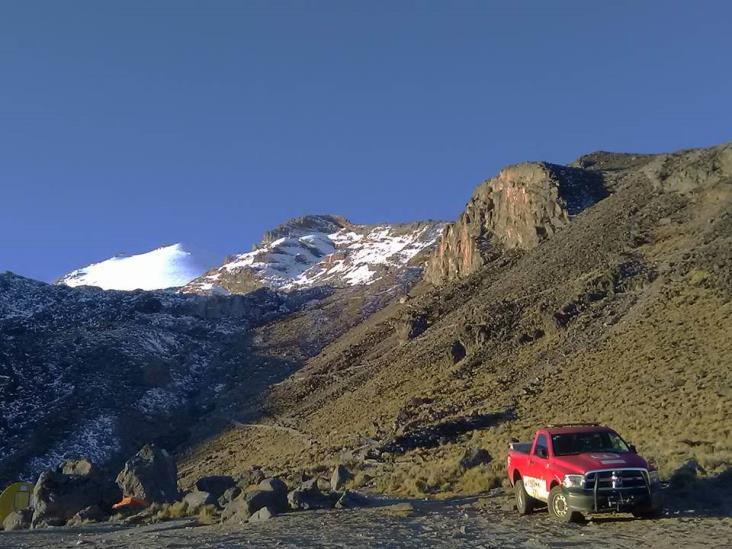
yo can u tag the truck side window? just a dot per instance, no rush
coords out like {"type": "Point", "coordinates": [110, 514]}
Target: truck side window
{"type": "Point", "coordinates": [542, 448]}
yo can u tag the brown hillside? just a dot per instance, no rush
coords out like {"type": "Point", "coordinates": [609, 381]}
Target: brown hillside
{"type": "Point", "coordinates": [623, 316]}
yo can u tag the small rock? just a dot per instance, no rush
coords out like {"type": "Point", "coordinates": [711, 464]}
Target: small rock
{"type": "Point", "coordinates": [197, 499]}
{"type": "Point", "coordinates": [18, 520]}
{"type": "Point", "coordinates": [341, 475]}
{"type": "Point", "coordinates": [309, 496]}
{"type": "Point", "coordinates": [228, 496]}
{"type": "Point", "coordinates": [398, 509]}
{"type": "Point", "coordinates": [265, 513]}
{"type": "Point", "coordinates": [474, 457]}
{"type": "Point", "coordinates": [93, 513]}
{"type": "Point", "coordinates": [270, 493]}
{"type": "Point", "coordinates": [351, 499]}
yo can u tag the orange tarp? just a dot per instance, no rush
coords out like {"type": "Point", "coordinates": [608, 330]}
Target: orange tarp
{"type": "Point", "coordinates": [128, 502]}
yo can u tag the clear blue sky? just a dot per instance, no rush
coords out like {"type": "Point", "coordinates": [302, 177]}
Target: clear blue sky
{"type": "Point", "coordinates": [129, 124]}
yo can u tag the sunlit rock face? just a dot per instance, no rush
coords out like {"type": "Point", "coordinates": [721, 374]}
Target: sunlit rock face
{"type": "Point", "coordinates": [523, 205]}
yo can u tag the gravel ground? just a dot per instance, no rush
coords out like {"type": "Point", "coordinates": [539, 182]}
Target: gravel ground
{"type": "Point", "coordinates": [465, 522]}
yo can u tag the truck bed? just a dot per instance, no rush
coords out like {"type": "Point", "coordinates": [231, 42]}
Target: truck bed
{"type": "Point", "coordinates": [520, 447]}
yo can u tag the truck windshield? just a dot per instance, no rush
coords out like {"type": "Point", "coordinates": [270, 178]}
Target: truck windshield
{"type": "Point", "coordinates": [596, 441]}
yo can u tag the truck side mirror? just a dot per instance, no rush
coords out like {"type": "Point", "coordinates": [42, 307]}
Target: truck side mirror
{"type": "Point", "coordinates": [632, 449]}
{"type": "Point", "coordinates": [541, 452]}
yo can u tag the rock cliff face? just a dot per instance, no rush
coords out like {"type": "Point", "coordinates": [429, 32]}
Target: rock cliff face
{"type": "Point", "coordinates": [523, 205]}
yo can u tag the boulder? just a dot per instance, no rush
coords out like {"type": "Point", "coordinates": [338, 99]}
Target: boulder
{"type": "Point", "coordinates": [93, 513]}
{"type": "Point", "coordinates": [80, 467]}
{"type": "Point", "coordinates": [75, 485]}
{"type": "Point", "coordinates": [150, 475]}
{"type": "Point", "coordinates": [236, 510]}
{"type": "Point", "coordinates": [228, 496]}
{"type": "Point", "coordinates": [271, 492]}
{"type": "Point", "coordinates": [215, 485]}
{"type": "Point", "coordinates": [266, 498]}
{"type": "Point", "coordinates": [18, 520]}
{"type": "Point", "coordinates": [474, 457]}
{"type": "Point", "coordinates": [308, 496]}
{"type": "Point", "coordinates": [197, 499]}
{"type": "Point", "coordinates": [351, 499]}
{"type": "Point", "coordinates": [275, 485]}
{"type": "Point", "coordinates": [457, 351]}
{"type": "Point", "coordinates": [265, 513]}
{"type": "Point", "coordinates": [411, 325]}
{"type": "Point", "coordinates": [340, 476]}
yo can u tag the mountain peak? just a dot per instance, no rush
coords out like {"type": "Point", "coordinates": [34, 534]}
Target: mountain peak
{"type": "Point", "coordinates": [315, 250]}
{"type": "Point", "coordinates": [168, 266]}
{"type": "Point", "coordinates": [306, 224]}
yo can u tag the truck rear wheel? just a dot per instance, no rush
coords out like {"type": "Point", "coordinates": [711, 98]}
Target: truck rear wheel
{"type": "Point", "coordinates": [524, 502]}
{"type": "Point", "coordinates": [559, 507]}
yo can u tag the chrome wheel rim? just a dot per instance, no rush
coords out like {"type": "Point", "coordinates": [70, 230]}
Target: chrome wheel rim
{"type": "Point", "coordinates": [559, 505]}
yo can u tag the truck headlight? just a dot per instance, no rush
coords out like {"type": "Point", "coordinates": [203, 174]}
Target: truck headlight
{"type": "Point", "coordinates": [653, 477]}
{"type": "Point", "coordinates": [574, 481]}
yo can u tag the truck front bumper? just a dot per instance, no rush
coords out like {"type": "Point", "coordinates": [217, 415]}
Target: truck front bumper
{"type": "Point", "coordinates": [636, 499]}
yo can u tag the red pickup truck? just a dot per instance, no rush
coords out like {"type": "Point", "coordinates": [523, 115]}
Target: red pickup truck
{"type": "Point", "coordinates": [578, 469]}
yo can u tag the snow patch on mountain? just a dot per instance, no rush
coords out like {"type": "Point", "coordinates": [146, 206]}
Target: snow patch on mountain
{"type": "Point", "coordinates": [95, 440]}
{"type": "Point", "coordinates": [166, 267]}
{"type": "Point", "coordinates": [318, 252]}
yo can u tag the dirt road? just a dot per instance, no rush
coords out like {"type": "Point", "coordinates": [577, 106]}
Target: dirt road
{"type": "Point", "coordinates": [467, 522]}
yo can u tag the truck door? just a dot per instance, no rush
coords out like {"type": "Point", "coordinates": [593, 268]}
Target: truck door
{"type": "Point", "coordinates": [538, 468]}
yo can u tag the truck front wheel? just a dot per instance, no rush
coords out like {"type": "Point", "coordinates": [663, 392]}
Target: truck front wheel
{"type": "Point", "coordinates": [559, 507]}
{"type": "Point", "coordinates": [524, 502]}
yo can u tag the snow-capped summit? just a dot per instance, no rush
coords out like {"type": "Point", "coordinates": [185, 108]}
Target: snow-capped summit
{"type": "Point", "coordinates": [319, 250]}
{"type": "Point", "coordinates": [165, 267]}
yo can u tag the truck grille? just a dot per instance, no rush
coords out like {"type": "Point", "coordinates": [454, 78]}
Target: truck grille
{"type": "Point", "coordinates": [616, 479]}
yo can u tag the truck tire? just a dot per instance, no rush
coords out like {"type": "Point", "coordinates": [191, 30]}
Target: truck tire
{"type": "Point", "coordinates": [559, 508]}
{"type": "Point", "coordinates": [524, 502]}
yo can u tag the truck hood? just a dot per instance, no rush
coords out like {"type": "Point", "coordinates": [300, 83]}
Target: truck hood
{"type": "Point", "coordinates": [590, 461]}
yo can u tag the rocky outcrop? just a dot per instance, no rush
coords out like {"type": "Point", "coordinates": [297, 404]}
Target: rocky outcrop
{"type": "Point", "coordinates": [151, 475]}
{"type": "Point", "coordinates": [270, 494]}
{"type": "Point", "coordinates": [309, 496]}
{"type": "Point", "coordinates": [686, 171]}
{"type": "Point", "coordinates": [75, 485]}
{"type": "Point", "coordinates": [523, 205]}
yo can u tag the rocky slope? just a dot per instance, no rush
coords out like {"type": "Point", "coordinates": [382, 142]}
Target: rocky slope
{"type": "Point", "coordinates": [87, 372]}
{"type": "Point", "coordinates": [623, 316]}
{"type": "Point", "coordinates": [321, 250]}
{"type": "Point", "coordinates": [96, 373]}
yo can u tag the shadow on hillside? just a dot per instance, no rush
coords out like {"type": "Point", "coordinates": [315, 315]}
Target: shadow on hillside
{"type": "Point", "coordinates": [431, 436]}
{"type": "Point", "coordinates": [239, 371]}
